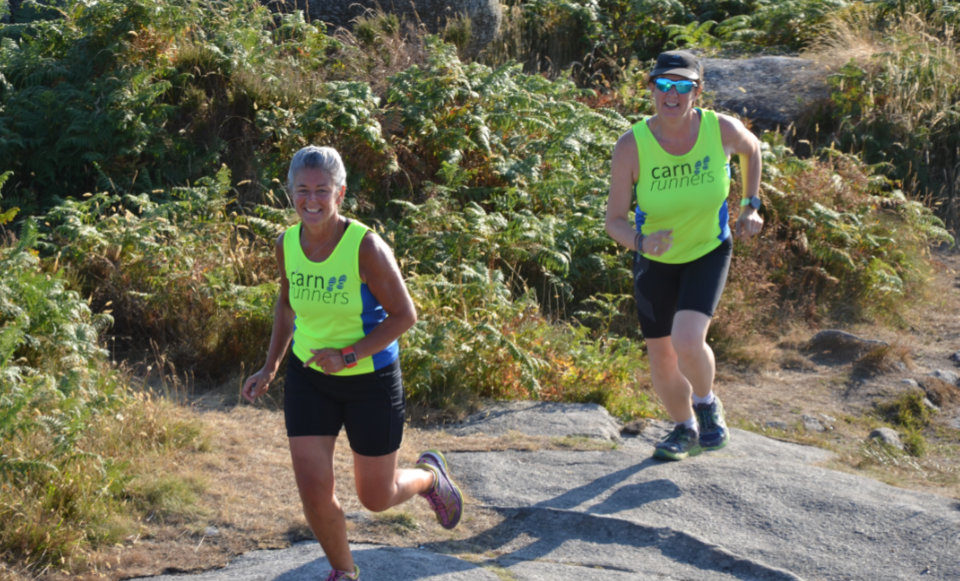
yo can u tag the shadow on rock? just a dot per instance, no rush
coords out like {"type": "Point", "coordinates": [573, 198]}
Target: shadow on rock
{"type": "Point", "coordinates": [656, 490]}
{"type": "Point", "coordinates": [530, 534]}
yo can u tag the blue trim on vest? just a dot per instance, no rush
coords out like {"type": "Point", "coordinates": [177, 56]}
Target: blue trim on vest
{"type": "Point", "coordinates": [640, 217]}
{"type": "Point", "coordinates": [725, 212]}
{"type": "Point", "coordinates": [724, 222]}
{"type": "Point", "coordinates": [371, 316]}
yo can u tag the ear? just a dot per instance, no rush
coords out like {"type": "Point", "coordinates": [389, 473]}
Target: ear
{"type": "Point", "coordinates": [341, 194]}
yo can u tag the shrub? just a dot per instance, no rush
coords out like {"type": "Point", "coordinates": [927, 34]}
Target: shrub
{"type": "Point", "coordinates": [848, 244]}
{"type": "Point", "coordinates": [185, 277]}
{"type": "Point", "coordinates": [71, 436]}
{"type": "Point", "coordinates": [907, 410]}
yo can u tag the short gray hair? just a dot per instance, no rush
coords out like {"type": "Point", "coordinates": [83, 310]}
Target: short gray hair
{"type": "Point", "coordinates": [323, 158]}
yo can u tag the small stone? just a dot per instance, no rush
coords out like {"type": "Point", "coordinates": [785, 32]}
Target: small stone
{"type": "Point", "coordinates": [930, 405]}
{"type": "Point", "coordinates": [910, 382]}
{"type": "Point", "coordinates": [777, 425]}
{"type": "Point", "coordinates": [946, 375]}
{"type": "Point", "coordinates": [887, 436]}
{"type": "Point", "coordinates": [812, 424]}
{"type": "Point", "coordinates": [211, 531]}
{"type": "Point", "coordinates": [833, 346]}
{"type": "Point", "coordinates": [634, 427]}
{"type": "Point", "coordinates": [955, 358]}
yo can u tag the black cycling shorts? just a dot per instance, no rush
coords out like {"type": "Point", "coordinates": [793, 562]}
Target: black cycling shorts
{"type": "Point", "coordinates": [662, 289]}
{"type": "Point", "coordinates": [370, 406]}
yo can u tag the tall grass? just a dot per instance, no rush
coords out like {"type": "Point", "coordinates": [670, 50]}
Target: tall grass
{"type": "Point", "coordinates": [896, 101]}
{"type": "Point", "coordinates": [72, 436]}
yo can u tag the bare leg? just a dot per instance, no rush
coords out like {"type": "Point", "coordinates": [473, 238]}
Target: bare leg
{"type": "Point", "coordinates": [313, 468]}
{"type": "Point", "coordinates": [695, 357]}
{"type": "Point", "coordinates": [671, 385]}
{"type": "Point", "coordinates": [381, 485]}
{"type": "Point", "coordinates": [682, 364]}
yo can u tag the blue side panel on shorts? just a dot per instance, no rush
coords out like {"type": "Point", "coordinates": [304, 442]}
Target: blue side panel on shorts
{"type": "Point", "coordinates": [372, 315]}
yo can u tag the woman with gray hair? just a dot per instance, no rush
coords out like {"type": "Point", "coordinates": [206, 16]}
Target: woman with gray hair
{"type": "Point", "coordinates": [342, 306]}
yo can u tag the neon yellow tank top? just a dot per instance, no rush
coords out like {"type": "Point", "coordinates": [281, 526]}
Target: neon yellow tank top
{"type": "Point", "coordinates": [684, 193]}
{"type": "Point", "coordinates": [333, 307]}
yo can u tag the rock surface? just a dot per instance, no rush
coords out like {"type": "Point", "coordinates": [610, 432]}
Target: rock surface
{"type": "Point", "coordinates": [759, 509]}
{"type": "Point", "coordinates": [888, 436]}
{"type": "Point", "coordinates": [557, 420]}
{"type": "Point", "coordinates": [834, 346]}
{"type": "Point", "coordinates": [771, 91]}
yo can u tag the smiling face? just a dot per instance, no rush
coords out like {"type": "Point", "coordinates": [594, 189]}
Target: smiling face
{"type": "Point", "coordinates": [672, 103]}
{"type": "Point", "coordinates": [316, 197]}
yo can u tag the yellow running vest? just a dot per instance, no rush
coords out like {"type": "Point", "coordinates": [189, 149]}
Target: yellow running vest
{"type": "Point", "coordinates": [684, 193]}
{"type": "Point", "coordinates": [333, 307]}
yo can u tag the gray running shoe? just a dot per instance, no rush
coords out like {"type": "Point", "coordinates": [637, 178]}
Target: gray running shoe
{"type": "Point", "coordinates": [713, 428]}
{"type": "Point", "coordinates": [445, 498]}
{"type": "Point", "coordinates": [678, 444]}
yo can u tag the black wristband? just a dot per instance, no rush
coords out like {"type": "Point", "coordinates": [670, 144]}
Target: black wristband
{"type": "Point", "coordinates": [638, 241]}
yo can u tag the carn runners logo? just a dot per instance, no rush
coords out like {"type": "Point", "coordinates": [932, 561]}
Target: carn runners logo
{"type": "Point", "coordinates": [681, 175]}
{"type": "Point", "coordinates": [319, 289]}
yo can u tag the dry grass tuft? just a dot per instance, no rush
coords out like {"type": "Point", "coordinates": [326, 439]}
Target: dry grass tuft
{"type": "Point", "coordinates": [941, 393]}
{"type": "Point", "coordinates": [883, 359]}
{"type": "Point", "coordinates": [848, 35]}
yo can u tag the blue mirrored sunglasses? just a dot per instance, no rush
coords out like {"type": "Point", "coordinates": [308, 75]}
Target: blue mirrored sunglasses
{"type": "Point", "coordinates": [683, 87]}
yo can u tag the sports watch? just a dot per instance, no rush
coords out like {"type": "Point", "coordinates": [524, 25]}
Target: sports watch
{"type": "Point", "coordinates": [349, 356]}
{"type": "Point", "coordinates": [753, 201]}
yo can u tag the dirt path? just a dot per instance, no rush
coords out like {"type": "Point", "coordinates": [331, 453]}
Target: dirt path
{"type": "Point", "coordinates": [834, 405]}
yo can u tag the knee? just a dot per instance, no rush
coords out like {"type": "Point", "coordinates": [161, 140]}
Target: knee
{"type": "Point", "coordinates": [375, 500]}
{"type": "Point", "coordinates": [689, 345]}
{"type": "Point", "coordinates": [662, 362]}
{"type": "Point", "coordinates": [317, 493]}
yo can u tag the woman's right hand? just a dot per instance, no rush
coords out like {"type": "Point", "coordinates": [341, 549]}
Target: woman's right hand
{"type": "Point", "coordinates": [658, 242]}
{"type": "Point", "coordinates": [256, 385]}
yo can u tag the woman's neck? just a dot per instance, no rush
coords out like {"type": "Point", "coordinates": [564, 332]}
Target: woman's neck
{"type": "Point", "coordinates": [319, 240]}
{"type": "Point", "coordinates": [676, 135]}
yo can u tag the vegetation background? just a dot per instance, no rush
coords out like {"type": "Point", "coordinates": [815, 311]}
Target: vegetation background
{"type": "Point", "coordinates": [142, 144]}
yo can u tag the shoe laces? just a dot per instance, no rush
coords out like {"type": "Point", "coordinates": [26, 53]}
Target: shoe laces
{"type": "Point", "coordinates": [707, 416]}
{"type": "Point", "coordinates": [680, 432]}
{"type": "Point", "coordinates": [433, 495]}
{"type": "Point", "coordinates": [338, 575]}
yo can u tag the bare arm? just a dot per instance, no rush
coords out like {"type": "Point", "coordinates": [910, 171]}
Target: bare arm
{"type": "Point", "coordinates": [624, 174]}
{"type": "Point", "coordinates": [739, 140]}
{"type": "Point", "coordinates": [624, 170]}
{"type": "Point", "coordinates": [379, 270]}
{"type": "Point", "coordinates": [283, 316]}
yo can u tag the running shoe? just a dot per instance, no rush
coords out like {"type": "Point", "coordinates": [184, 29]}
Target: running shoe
{"type": "Point", "coordinates": [337, 575]}
{"type": "Point", "coordinates": [678, 444]}
{"type": "Point", "coordinates": [713, 428]}
{"type": "Point", "coordinates": [445, 498]}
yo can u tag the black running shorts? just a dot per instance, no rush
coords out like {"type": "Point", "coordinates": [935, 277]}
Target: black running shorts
{"type": "Point", "coordinates": [370, 406]}
{"type": "Point", "coordinates": [662, 289]}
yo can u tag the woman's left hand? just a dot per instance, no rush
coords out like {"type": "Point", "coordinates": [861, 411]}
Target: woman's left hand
{"type": "Point", "coordinates": [328, 360]}
{"type": "Point", "coordinates": [749, 223]}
